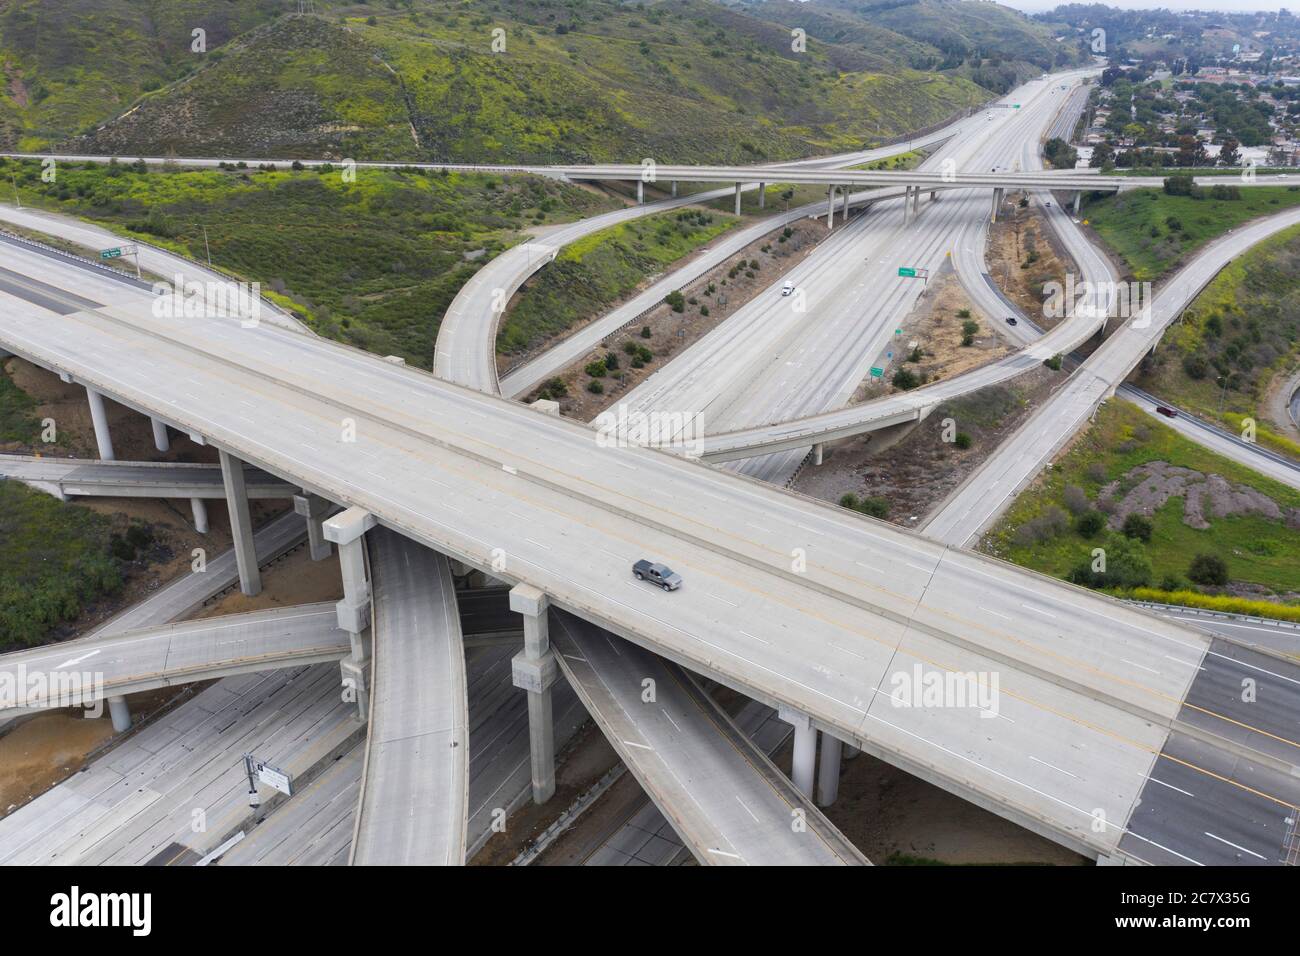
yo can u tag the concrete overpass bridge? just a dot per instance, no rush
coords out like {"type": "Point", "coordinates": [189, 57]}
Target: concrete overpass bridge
{"type": "Point", "coordinates": [786, 600]}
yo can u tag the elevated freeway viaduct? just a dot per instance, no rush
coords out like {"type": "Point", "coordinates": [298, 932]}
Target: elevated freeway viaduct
{"type": "Point", "coordinates": [846, 622]}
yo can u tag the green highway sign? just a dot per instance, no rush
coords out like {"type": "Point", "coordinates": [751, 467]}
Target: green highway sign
{"type": "Point", "coordinates": [877, 372]}
{"type": "Point", "coordinates": [907, 272]}
{"type": "Point", "coordinates": [110, 253]}
{"type": "Point", "coordinates": [1015, 106]}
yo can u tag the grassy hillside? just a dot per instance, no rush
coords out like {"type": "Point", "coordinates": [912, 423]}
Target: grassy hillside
{"type": "Point", "coordinates": [373, 262]}
{"type": "Point", "coordinates": [594, 272]}
{"type": "Point", "coordinates": [678, 80]}
{"type": "Point", "coordinates": [1239, 333]}
{"type": "Point", "coordinates": [1153, 231]}
{"type": "Point", "coordinates": [1105, 466]}
{"type": "Point", "coordinates": [71, 63]}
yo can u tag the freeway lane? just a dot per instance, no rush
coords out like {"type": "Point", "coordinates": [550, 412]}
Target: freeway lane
{"type": "Point", "coordinates": [468, 474]}
{"type": "Point", "coordinates": [128, 479]}
{"type": "Point", "coordinates": [133, 661]}
{"type": "Point", "coordinates": [988, 492]}
{"type": "Point", "coordinates": [415, 786]}
{"type": "Point", "coordinates": [726, 800]}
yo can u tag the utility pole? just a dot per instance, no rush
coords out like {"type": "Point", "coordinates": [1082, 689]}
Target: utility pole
{"type": "Point", "coordinates": [17, 202]}
{"type": "Point", "coordinates": [206, 248]}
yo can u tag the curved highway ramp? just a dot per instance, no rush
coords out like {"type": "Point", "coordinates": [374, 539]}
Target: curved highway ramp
{"type": "Point", "coordinates": [74, 477]}
{"type": "Point", "coordinates": [133, 661]}
{"type": "Point", "coordinates": [414, 788]}
{"type": "Point", "coordinates": [726, 800]}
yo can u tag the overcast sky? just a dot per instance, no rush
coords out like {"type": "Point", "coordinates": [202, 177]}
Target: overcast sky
{"type": "Point", "coordinates": [1236, 6]}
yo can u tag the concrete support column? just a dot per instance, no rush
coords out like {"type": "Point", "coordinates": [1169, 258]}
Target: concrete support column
{"type": "Point", "coordinates": [241, 524]}
{"type": "Point", "coordinates": [160, 439]}
{"type": "Point", "coordinates": [640, 191]}
{"type": "Point", "coordinates": [916, 200]}
{"type": "Point", "coordinates": [737, 199]}
{"type": "Point", "coordinates": [120, 713]}
{"type": "Point", "coordinates": [100, 419]}
{"type": "Point", "coordinates": [828, 774]}
{"type": "Point", "coordinates": [534, 670]}
{"type": "Point", "coordinates": [845, 191]}
{"type": "Point", "coordinates": [818, 452]}
{"type": "Point", "coordinates": [907, 204]}
{"type": "Point", "coordinates": [1078, 197]}
{"type": "Point", "coordinates": [805, 749]}
{"type": "Point", "coordinates": [313, 508]}
{"type": "Point", "coordinates": [200, 509]}
{"type": "Point", "coordinates": [830, 207]}
{"type": "Point", "coordinates": [347, 530]}
{"type": "Point", "coordinates": [762, 195]}
{"type": "Point", "coordinates": [998, 196]}
{"type": "Point", "coordinates": [674, 188]}
{"type": "Point", "coordinates": [934, 194]}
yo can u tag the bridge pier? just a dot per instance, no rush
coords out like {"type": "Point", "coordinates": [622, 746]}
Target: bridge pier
{"type": "Point", "coordinates": [737, 199]}
{"type": "Point", "coordinates": [916, 200]}
{"type": "Point", "coordinates": [534, 670]}
{"type": "Point", "coordinates": [805, 750]}
{"type": "Point", "coordinates": [818, 452]}
{"type": "Point", "coordinates": [674, 189]}
{"type": "Point", "coordinates": [830, 208]}
{"type": "Point", "coordinates": [241, 524]}
{"type": "Point", "coordinates": [999, 194]}
{"type": "Point", "coordinates": [99, 417]}
{"type": "Point", "coordinates": [348, 530]}
{"type": "Point", "coordinates": [762, 195]}
{"type": "Point", "coordinates": [828, 774]}
{"type": "Point", "coordinates": [200, 509]}
{"type": "Point", "coordinates": [313, 508]}
{"type": "Point", "coordinates": [121, 714]}
{"type": "Point", "coordinates": [1078, 196]}
{"type": "Point", "coordinates": [160, 439]}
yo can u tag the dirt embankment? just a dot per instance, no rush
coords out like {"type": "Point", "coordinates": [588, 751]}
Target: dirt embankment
{"type": "Point", "coordinates": [919, 470]}
{"type": "Point", "coordinates": [1023, 256]}
{"type": "Point", "coordinates": [710, 300]}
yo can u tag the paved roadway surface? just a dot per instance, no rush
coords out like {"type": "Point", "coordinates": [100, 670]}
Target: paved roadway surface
{"type": "Point", "coordinates": [867, 601]}
{"type": "Point", "coordinates": [644, 837]}
{"type": "Point", "coordinates": [728, 803]}
{"type": "Point", "coordinates": [986, 493]}
{"type": "Point", "coordinates": [146, 659]}
{"type": "Point", "coordinates": [72, 477]}
{"type": "Point", "coordinates": [175, 789]}
{"type": "Point", "coordinates": [153, 260]}
{"type": "Point", "coordinates": [412, 807]}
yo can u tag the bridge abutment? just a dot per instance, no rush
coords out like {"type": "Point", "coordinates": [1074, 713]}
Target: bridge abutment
{"type": "Point", "coordinates": [313, 508]}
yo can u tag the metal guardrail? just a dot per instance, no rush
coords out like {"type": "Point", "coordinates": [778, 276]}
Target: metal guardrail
{"type": "Point", "coordinates": [81, 261]}
{"type": "Point", "coordinates": [1219, 615]}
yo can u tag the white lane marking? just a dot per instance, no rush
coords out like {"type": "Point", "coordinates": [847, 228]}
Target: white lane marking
{"type": "Point", "coordinates": [630, 743]}
{"type": "Point", "coordinates": [1233, 845]}
{"type": "Point", "coordinates": [753, 638]}
{"type": "Point", "coordinates": [733, 856]}
{"type": "Point", "coordinates": [77, 660]}
{"type": "Point", "coordinates": [723, 600]}
{"type": "Point", "coordinates": [1172, 787]}
{"type": "Point", "coordinates": [747, 810]}
{"type": "Point", "coordinates": [1039, 610]}
{"type": "Point", "coordinates": [1053, 766]}
{"type": "Point", "coordinates": [994, 613]}
{"type": "Point", "coordinates": [544, 547]}
{"type": "Point", "coordinates": [671, 721]}
{"type": "Point", "coordinates": [1140, 667]}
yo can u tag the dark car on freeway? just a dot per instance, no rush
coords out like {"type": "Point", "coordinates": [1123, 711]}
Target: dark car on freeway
{"type": "Point", "coordinates": [659, 574]}
{"type": "Point", "coordinates": [1166, 411]}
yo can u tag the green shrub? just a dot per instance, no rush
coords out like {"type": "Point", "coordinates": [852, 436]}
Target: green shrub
{"type": "Point", "coordinates": [1208, 569]}
{"type": "Point", "coordinates": [1089, 523]}
{"type": "Point", "coordinates": [962, 440]}
{"type": "Point", "coordinates": [1139, 527]}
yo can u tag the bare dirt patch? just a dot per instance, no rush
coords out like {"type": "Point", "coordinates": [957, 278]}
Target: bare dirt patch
{"type": "Point", "coordinates": [918, 472]}
{"type": "Point", "coordinates": [672, 332]}
{"type": "Point", "coordinates": [934, 326]}
{"type": "Point", "coordinates": [1024, 255]}
{"type": "Point", "coordinates": [43, 750]}
{"type": "Point", "coordinates": [1145, 489]}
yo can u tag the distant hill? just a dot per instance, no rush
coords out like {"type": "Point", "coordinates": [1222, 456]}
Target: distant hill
{"type": "Point", "coordinates": [587, 80]}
